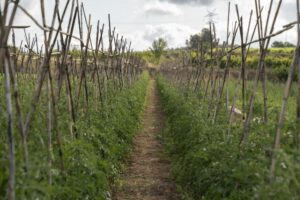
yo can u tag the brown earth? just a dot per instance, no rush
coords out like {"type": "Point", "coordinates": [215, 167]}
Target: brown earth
{"type": "Point", "coordinates": [147, 175]}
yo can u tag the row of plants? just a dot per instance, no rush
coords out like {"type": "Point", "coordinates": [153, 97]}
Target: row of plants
{"type": "Point", "coordinates": [272, 61]}
{"type": "Point", "coordinates": [277, 60]}
{"type": "Point", "coordinates": [91, 158]}
{"type": "Point", "coordinates": [207, 160]}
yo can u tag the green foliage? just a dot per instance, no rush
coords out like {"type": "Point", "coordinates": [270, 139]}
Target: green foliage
{"type": "Point", "coordinates": [207, 161]}
{"type": "Point", "coordinates": [281, 73]}
{"type": "Point", "coordinates": [278, 62]}
{"type": "Point", "coordinates": [204, 38]}
{"type": "Point", "coordinates": [92, 161]}
{"type": "Point", "coordinates": [194, 41]}
{"type": "Point", "coordinates": [168, 55]}
{"type": "Point", "coordinates": [147, 56]}
{"type": "Point", "coordinates": [279, 44]}
{"type": "Point", "coordinates": [275, 59]}
{"type": "Point", "coordinates": [158, 48]}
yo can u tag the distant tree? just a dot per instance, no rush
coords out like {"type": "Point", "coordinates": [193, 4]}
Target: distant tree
{"type": "Point", "coordinates": [206, 35]}
{"type": "Point", "coordinates": [158, 48]}
{"type": "Point", "coordinates": [279, 44]}
{"type": "Point", "coordinates": [288, 44]}
{"type": "Point", "coordinates": [195, 40]}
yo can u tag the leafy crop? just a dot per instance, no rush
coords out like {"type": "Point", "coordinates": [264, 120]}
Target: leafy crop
{"type": "Point", "coordinates": [207, 161]}
{"type": "Point", "coordinates": [92, 160]}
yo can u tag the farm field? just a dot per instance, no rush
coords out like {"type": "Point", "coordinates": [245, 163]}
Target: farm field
{"type": "Point", "coordinates": [208, 161]}
{"type": "Point", "coordinates": [148, 106]}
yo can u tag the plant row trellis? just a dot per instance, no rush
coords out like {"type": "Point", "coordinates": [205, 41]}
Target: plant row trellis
{"type": "Point", "coordinates": [206, 75]}
{"type": "Point", "coordinates": [55, 68]}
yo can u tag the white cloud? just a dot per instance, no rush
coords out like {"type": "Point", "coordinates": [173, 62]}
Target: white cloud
{"type": "Point", "coordinates": [174, 20]}
{"type": "Point", "coordinates": [161, 8]}
{"type": "Point", "coordinates": [174, 34]}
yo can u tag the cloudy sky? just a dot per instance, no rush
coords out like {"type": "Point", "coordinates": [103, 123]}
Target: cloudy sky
{"type": "Point", "coordinates": [142, 21]}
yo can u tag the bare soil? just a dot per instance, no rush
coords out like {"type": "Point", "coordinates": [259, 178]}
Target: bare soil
{"type": "Point", "coordinates": [147, 175]}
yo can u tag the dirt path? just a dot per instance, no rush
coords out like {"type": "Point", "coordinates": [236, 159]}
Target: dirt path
{"type": "Point", "coordinates": [147, 176]}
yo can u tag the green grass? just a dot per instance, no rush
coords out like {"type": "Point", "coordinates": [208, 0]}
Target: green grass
{"type": "Point", "coordinates": [275, 92]}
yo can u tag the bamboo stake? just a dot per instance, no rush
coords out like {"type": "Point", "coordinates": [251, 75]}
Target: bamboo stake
{"type": "Point", "coordinates": [282, 114]}
{"type": "Point", "coordinates": [4, 59]}
{"type": "Point", "coordinates": [247, 122]}
{"type": "Point", "coordinates": [243, 64]}
{"type": "Point", "coordinates": [297, 134]}
{"type": "Point", "coordinates": [18, 105]}
{"type": "Point", "coordinates": [50, 123]}
{"type": "Point", "coordinates": [11, 142]}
